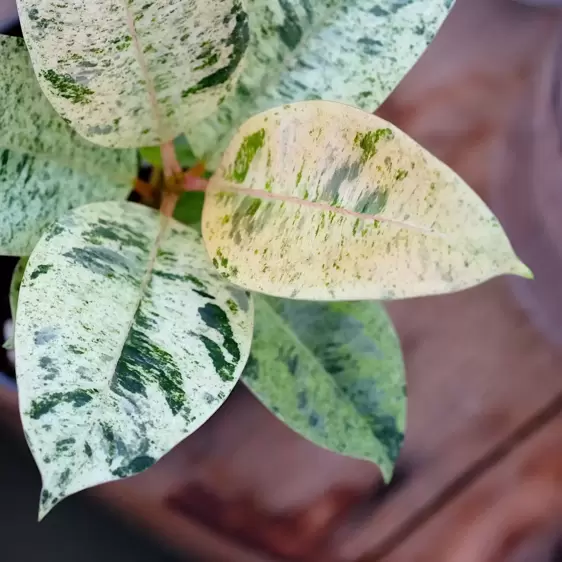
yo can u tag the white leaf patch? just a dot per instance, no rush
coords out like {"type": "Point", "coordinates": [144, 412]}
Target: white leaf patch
{"type": "Point", "coordinates": [127, 341]}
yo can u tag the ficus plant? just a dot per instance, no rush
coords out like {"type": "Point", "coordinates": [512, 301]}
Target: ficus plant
{"type": "Point", "coordinates": [132, 327]}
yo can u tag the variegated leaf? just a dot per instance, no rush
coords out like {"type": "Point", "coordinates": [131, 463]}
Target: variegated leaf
{"type": "Point", "coordinates": [127, 340]}
{"type": "Point", "coordinates": [46, 168]}
{"type": "Point", "coordinates": [136, 72]}
{"type": "Point", "coordinates": [353, 52]}
{"type": "Point", "coordinates": [321, 201]}
{"type": "Point", "coordinates": [334, 373]}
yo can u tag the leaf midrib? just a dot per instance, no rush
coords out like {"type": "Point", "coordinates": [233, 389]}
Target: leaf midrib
{"type": "Point", "coordinates": [266, 195]}
{"type": "Point", "coordinates": [164, 222]}
{"type": "Point", "coordinates": [150, 87]}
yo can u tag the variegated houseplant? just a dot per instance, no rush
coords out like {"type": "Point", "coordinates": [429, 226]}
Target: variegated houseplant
{"type": "Point", "coordinates": [132, 328]}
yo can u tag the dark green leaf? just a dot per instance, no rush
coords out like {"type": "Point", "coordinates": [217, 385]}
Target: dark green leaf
{"type": "Point", "coordinates": [334, 373]}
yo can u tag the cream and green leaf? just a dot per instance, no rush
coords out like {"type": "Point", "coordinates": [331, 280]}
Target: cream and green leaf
{"type": "Point", "coordinates": [350, 51]}
{"type": "Point", "coordinates": [333, 372]}
{"type": "Point", "coordinates": [127, 340]}
{"type": "Point", "coordinates": [137, 72]}
{"type": "Point", "coordinates": [46, 168]}
{"type": "Point", "coordinates": [321, 201]}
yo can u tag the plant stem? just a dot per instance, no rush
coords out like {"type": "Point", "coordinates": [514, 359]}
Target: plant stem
{"type": "Point", "coordinates": [168, 205]}
{"type": "Point", "coordinates": [173, 175]}
{"type": "Point", "coordinates": [169, 160]}
{"type": "Point", "coordinates": [145, 190]}
{"type": "Point", "coordinates": [192, 180]}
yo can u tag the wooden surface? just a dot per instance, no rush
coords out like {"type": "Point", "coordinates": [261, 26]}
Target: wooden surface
{"type": "Point", "coordinates": [478, 477]}
{"type": "Point", "coordinates": [512, 513]}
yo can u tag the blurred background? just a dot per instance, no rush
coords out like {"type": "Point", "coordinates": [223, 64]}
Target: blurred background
{"type": "Point", "coordinates": [480, 475]}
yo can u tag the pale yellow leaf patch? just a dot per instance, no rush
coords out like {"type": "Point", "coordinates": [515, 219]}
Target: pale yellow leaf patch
{"type": "Point", "coordinates": [321, 201]}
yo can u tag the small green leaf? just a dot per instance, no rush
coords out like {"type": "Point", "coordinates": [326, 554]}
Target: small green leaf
{"type": "Point", "coordinates": [322, 201]}
{"type": "Point", "coordinates": [333, 372]}
{"type": "Point", "coordinates": [8, 345]}
{"type": "Point", "coordinates": [189, 207]}
{"type": "Point", "coordinates": [352, 52]}
{"type": "Point", "coordinates": [151, 155]}
{"type": "Point", "coordinates": [15, 285]}
{"type": "Point", "coordinates": [190, 204]}
{"type": "Point", "coordinates": [126, 343]}
{"type": "Point", "coordinates": [137, 72]}
{"type": "Point", "coordinates": [184, 154]}
{"type": "Point", "coordinates": [45, 167]}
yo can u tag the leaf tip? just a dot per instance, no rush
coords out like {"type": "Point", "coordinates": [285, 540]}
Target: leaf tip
{"type": "Point", "coordinates": [523, 271]}
{"type": "Point", "coordinates": [43, 511]}
{"type": "Point", "coordinates": [8, 345]}
{"type": "Point", "coordinates": [46, 504]}
{"type": "Point", "coordinates": [387, 474]}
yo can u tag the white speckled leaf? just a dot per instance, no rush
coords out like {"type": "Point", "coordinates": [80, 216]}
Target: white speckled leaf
{"type": "Point", "coordinates": [46, 168]}
{"type": "Point", "coordinates": [334, 373]}
{"type": "Point", "coordinates": [135, 72]}
{"type": "Point", "coordinates": [353, 52]}
{"type": "Point", "coordinates": [321, 201]}
{"type": "Point", "coordinates": [127, 341]}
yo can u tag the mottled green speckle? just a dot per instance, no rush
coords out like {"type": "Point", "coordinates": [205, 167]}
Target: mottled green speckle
{"type": "Point", "coordinates": [178, 277]}
{"type": "Point", "coordinates": [254, 206]}
{"type": "Point", "coordinates": [76, 398]}
{"type": "Point", "coordinates": [88, 450]}
{"type": "Point", "coordinates": [223, 367]}
{"type": "Point", "coordinates": [46, 497]}
{"type": "Point", "coordinates": [64, 444]}
{"type": "Point", "coordinates": [44, 335]}
{"type": "Point", "coordinates": [222, 259]}
{"type": "Point", "coordinates": [137, 465]}
{"type": "Point", "coordinates": [54, 231]}
{"type": "Point", "coordinates": [123, 42]}
{"type": "Point", "coordinates": [232, 306]}
{"type": "Point", "coordinates": [373, 203]}
{"type": "Point", "coordinates": [67, 87]}
{"type": "Point", "coordinates": [331, 191]}
{"type": "Point", "coordinates": [76, 350]}
{"type": "Point", "coordinates": [208, 56]}
{"type": "Point", "coordinates": [103, 261]}
{"type": "Point", "coordinates": [368, 142]}
{"type": "Point", "coordinates": [237, 41]}
{"type": "Point", "coordinates": [290, 31]}
{"type": "Point", "coordinates": [116, 231]}
{"type": "Point", "coordinates": [49, 367]}
{"type": "Point", "coordinates": [215, 317]}
{"type": "Point", "coordinates": [299, 175]}
{"type": "Point", "coordinates": [248, 149]}
{"type": "Point", "coordinates": [143, 362]}
{"type": "Point", "coordinates": [39, 270]}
